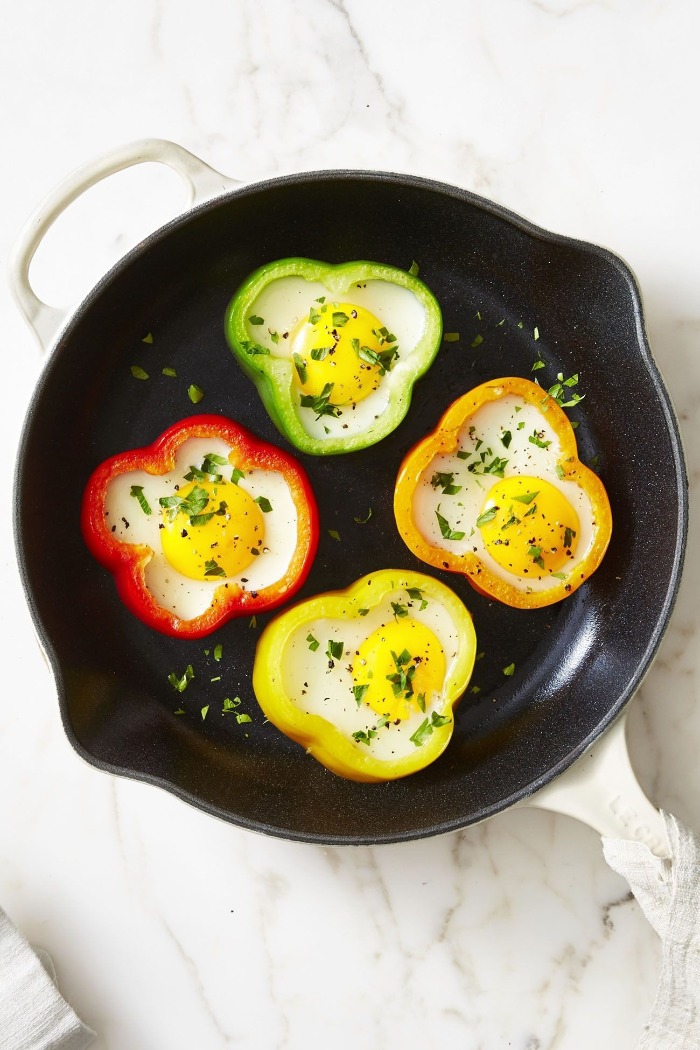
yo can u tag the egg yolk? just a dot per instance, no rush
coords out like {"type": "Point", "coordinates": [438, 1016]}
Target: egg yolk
{"type": "Point", "coordinates": [402, 664]}
{"type": "Point", "coordinates": [528, 526]}
{"type": "Point", "coordinates": [215, 530]}
{"type": "Point", "coordinates": [340, 352]}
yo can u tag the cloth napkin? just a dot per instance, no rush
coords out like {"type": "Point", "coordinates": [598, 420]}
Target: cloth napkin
{"type": "Point", "coordinates": [33, 1014]}
{"type": "Point", "coordinates": [668, 892]}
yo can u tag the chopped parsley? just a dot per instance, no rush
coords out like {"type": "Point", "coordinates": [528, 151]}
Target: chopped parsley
{"type": "Point", "coordinates": [300, 366]}
{"type": "Point", "coordinates": [446, 483]}
{"type": "Point", "coordinates": [264, 504]}
{"type": "Point", "coordinates": [448, 533]}
{"type": "Point", "coordinates": [313, 642]}
{"type": "Point", "coordinates": [195, 393]}
{"type": "Point", "coordinates": [358, 691]}
{"type": "Point", "coordinates": [537, 439]}
{"type": "Point", "coordinates": [180, 683]}
{"type": "Point", "coordinates": [211, 568]}
{"type": "Point", "coordinates": [402, 679]}
{"type": "Point", "coordinates": [334, 650]}
{"type": "Point", "coordinates": [137, 492]}
{"type": "Point", "coordinates": [254, 319]}
{"type": "Point", "coordinates": [363, 521]}
{"type": "Point", "coordinates": [559, 391]}
{"type": "Point", "coordinates": [425, 729]}
{"type": "Point", "coordinates": [320, 403]}
{"type": "Point", "coordinates": [535, 553]}
{"type": "Point", "coordinates": [138, 372]}
{"type": "Point", "coordinates": [526, 497]}
{"type": "Point", "coordinates": [486, 517]}
{"type": "Point", "coordinates": [255, 349]}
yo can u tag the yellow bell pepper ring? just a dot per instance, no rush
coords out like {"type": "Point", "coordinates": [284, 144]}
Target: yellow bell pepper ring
{"type": "Point", "coordinates": [498, 493]}
{"type": "Point", "coordinates": [367, 679]}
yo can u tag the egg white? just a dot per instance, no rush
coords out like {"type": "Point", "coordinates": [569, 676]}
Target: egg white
{"type": "Point", "coordinates": [287, 300]}
{"type": "Point", "coordinates": [180, 595]}
{"type": "Point", "coordinates": [319, 689]}
{"type": "Point", "coordinates": [490, 422]}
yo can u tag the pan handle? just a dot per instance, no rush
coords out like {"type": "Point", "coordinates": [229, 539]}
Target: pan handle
{"type": "Point", "coordinates": [201, 182]}
{"type": "Point", "coordinates": [601, 790]}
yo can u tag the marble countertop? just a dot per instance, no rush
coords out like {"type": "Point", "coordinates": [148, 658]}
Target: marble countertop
{"type": "Point", "coordinates": [168, 928]}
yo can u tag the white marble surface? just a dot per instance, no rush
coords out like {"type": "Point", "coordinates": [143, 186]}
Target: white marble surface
{"type": "Point", "coordinates": [172, 930]}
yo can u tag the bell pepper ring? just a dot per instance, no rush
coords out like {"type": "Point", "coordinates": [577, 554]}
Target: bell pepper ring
{"type": "Point", "coordinates": [334, 350]}
{"type": "Point", "coordinates": [205, 524]}
{"type": "Point", "coordinates": [497, 492]}
{"type": "Point", "coordinates": [366, 679]}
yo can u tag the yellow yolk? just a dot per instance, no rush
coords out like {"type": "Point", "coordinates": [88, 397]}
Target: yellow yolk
{"type": "Point", "coordinates": [528, 526]}
{"type": "Point", "coordinates": [336, 346]}
{"type": "Point", "coordinates": [216, 532]}
{"type": "Point", "coordinates": [403, 666]}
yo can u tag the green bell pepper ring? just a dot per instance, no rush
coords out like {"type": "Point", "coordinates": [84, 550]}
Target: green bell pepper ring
{"type": "Point", "coordinates": [334, 350]}
{"type": "Point", "coordinates": [366, 679]}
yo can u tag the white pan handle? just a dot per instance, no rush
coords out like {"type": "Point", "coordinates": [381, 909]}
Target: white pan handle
{"type": "Point", "coordinates": [601, 790]}
{"type": "Point", "coordinates": [200, 180]}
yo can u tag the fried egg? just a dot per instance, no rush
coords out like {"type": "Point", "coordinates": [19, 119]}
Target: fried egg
{"type": "Point", "coordinates": [509, 504]}
{"type": "Point", "coordinates": [378, 667]}
{"type": "Point", "coordinates": [354, 340]}
{"type": "Point", "coordinates": [208, 524]}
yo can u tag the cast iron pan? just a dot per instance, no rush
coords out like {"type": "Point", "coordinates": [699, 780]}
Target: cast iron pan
{"type": "Point", "coordinates": [576, 663]}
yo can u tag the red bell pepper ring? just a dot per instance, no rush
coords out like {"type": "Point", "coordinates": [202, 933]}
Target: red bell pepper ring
{"type": "Point", "coordinates": [128, 561]}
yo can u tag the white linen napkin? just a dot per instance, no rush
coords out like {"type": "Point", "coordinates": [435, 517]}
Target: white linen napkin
{"type": "Point", "coordinates": [33, 1014]}
{"type": "Point", "coordinates": [668, 892]}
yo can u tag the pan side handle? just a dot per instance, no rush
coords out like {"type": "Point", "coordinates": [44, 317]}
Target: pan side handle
{"type": "Point", "coordinates": [601, 790]}
{"type": "Point", "coordinates": [201, 182]}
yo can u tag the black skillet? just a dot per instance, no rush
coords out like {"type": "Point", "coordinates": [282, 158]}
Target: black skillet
{"type": "Point", "coordinates": [501, 282]}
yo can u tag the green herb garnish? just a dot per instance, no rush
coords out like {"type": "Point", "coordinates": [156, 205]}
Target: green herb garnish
{"type": "Point", "coordinates": [313, 642]}
{"type": "Point", "coordinates": [334, 650]}
{"type": "Point", "coordinates": [137, 492]}
{"type": "Point", "coordinates": [138, 372]}
{"type": "Point", "coordinates": [446, 483]}
{"type": "Point", "coordinates": [526, 497]}
{"type": "Point", "coordinates": [358, 691]}
{"type": "Point", "coordinates": [300, 366]}
{"type": "Point", "coordinates": [195, 393]}
{"type": "Point", "coordinates": [320, 403]}
{"type": "Point", "coordinates": [264, 504]}
{"type": "Point", "coordinates": [536, 554]}
{"type": "Point", "coordinates": [487, 516]}
{"type": "Point", "coordinates": [212, 569]}
{"type": "Point", "coordinates": [537, 439]}
{"type": "Point", "coordinates": [180, 683]}
{"type": "Point", "coordinates": [448, 533]}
